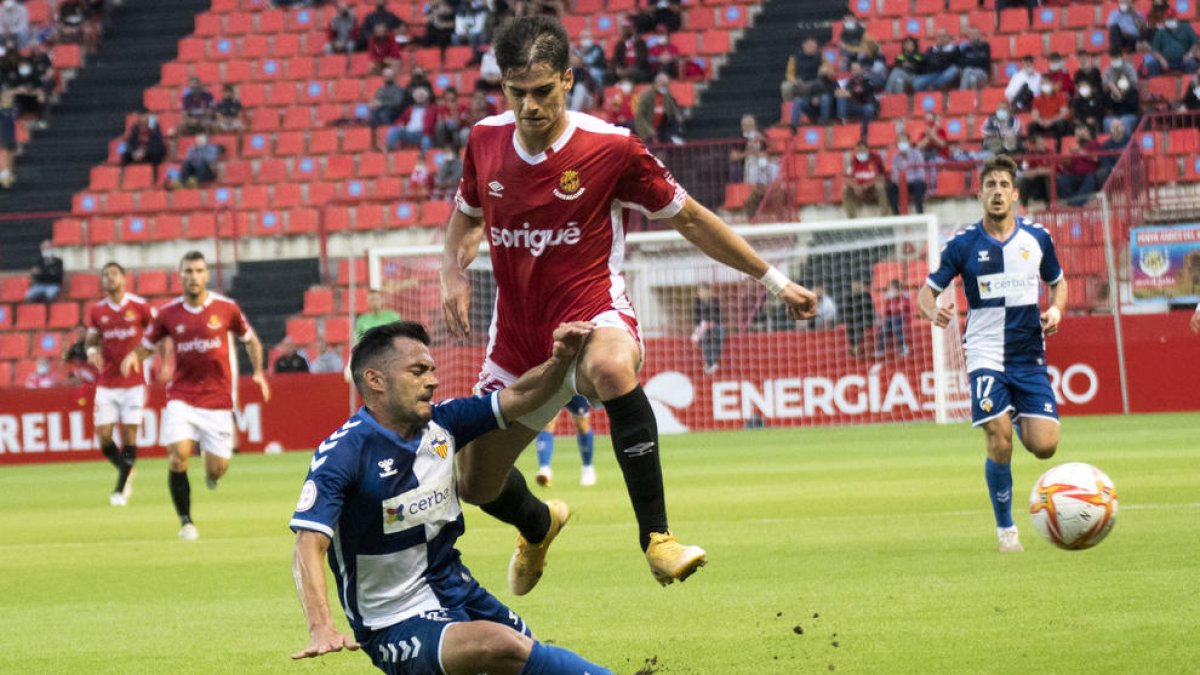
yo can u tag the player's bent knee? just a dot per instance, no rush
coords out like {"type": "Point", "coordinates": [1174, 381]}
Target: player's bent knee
{"type": "Point", "coordinates": [610, 375]}
{"type": "Point", "coordinates": [1044, 451]}
{"type": "Point", "coordinates": [478, 492]}
{"type": "Point", "coordinates": [504, 651]}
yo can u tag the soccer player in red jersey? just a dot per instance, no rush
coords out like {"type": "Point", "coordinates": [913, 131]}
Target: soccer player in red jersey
{"type": "Point", "coordinates": [200, 394]}
{"type": "Point", "coordinates": [114, 328]}
{"type": "Point", "coordinates": [552, 186]}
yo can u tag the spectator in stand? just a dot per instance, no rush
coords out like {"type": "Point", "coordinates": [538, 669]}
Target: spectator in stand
{"type": "Point", "coordinates": [489, 75]}
{"type": "Point", "coordinates": [976, 57]}
{"type": "Point", "coordinates": [439, 25]}
{"type": "Point", "coordinates": [14, 22]}
{"type": "Point", "coordinates": [72, 21]}
{"type": "Point", "coordinates": [1023, 86]}
{"type": "Point", "coordinates": [1123, 103]}
{"type": "Point", "coordinates": [1117, 68]}
{"type": "Point", "coordinates": [856, 100]}
{"type": "Point", "coordinates": [618, 104]}
{"type": "Point", "coordinates": [1088, 72]}
{"type": "Point", "coordinates": [1125, 25]}
{"type": "Point", "coordinates": [449, 173]}
{"type": "Point", "coordinates": [328, 359]}
{"type": "Point", "coordinates": [538, 8]}
{"type": "Point", "coordinates": [46, 277]}
{"type": "Point", "coordinates": [858, 311]}
{"type": "Point", "coordinates": [585, 91]}
{"type": "Point", "coordinates": [708, 333]}
{"type": "Point", "coordinates": [818, 103]}
{"type": "Point", "coordinates": [827, 310]}
{"type": "Point", "coordinates": [229, 116]}
{"type": "Point", "coordinates": [387, 103]}
{"type": "Point", "coordinates": [417, 125]}
{"type": "Point", "coordinates": [802, 70]}
{"type": "Point", "coordinates": [865, 182]}
{"type": "Point", "coordinates": [1118, 138]}
{"type": "Point", "coordinates": [875, 65]}
{"type": "Point", "coordinates": [43, 375]}
{"type": "Point", "coordinates": [8, 138]}
{"type": "Point", "coordinates": [343, 30]}
{"type": "Point", "coordinates": [592, 55]}
{"type": "Point", "coordinates": [29, 85]}
{"type": "Point", "coordinates": [144, 142]}
{"type": "Point", "coordinates": [380, 15]}
{"type": "Point", "coordinates": [1059, 76]}
{"type": "Point", "coordinates": [199, 167]}
{"type": "Point", "coordinates": [908, 165]}
{"type": "Point", "coordinates": [1037, 166]}
{"type": "Point", "coordinates": [1088, 108]}
{"type": "Point", "coordinates": [288, 360]}
{"type": "Point", "coordinates": [1076, 181]}
{"type": "Point", "coordinates": [642, 18]}
{"type": "Point", "coordinates": [897, 308]}
{"type": "Point", "coordinates": [999, 123]}
{"type": "Point", "coordinates": [658, 118]}
{"type": "Point", "coordinates": [1051, 113]}
{"type": "Point", "coordinates": [754, 142]}
{"type": "Point", "coordinates": [452, 126]}
{"type": "Point", "coordinates": [197, 108]}
{"type": "Point", "coordinates": [1191, 98]}
{"type": "Point", "coordinates": [909, 63]}
{"type": "Point", "coordinates": [852, 42]}
{"type": "Point", "coordinates": [375, 315]}
{"type": "Point", "coordinates": [1006, 4]}
{"type": "Point", "coordinates": [1160, 11]}
{"type": "Point", "coordinates": [479, 108]}
{"type": "Point", "coordinates": [934, 141]}
{"type": "Point", "coordinates": [383, 50]}
{"type": "Point", "coordinates": [417, 79]}
{"type": "Point", "coordinates": [669, 14]}
{"type": "Point", "coordinates": [663, 56]}
{"type": "Point", "coordinates": [759, 170]}
{"type": "Point", "coordinates": [43, 67]}
{"type": "Point", "coordinates": [1011, 145]}
{"type": "Point", "coordinates": [1171, 49]}
{"type": "Point", "coordinates": [470, 25]}
{"type": "Point", "coordinates": [631, 57]}
{"type": "Point", "coordinates": [941, 68]}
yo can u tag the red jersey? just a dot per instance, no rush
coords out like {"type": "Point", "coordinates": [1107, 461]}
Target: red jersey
{"type": "Point", "coordinates": [865, 172]}
{"type": "Point", "coordinates": [554, 224]}
{"type": "Point", "coordinates": [120, 328]}
{"type": "Point", "coordinates": [205, 360]}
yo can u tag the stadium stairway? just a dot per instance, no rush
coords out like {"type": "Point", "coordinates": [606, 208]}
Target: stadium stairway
{"type": "Point", "coordinates": [270, 291]}
{"type": "Point", "coordinates": [140, 37]}
{"type": "Point", "coordinates": [749, 81]}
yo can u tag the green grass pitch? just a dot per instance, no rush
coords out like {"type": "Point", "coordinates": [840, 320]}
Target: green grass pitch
{"type": "Point", "coordinates": [860, 550]}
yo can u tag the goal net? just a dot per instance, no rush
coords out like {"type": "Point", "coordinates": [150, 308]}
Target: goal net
{"type": "Point", "coordinates": [721, 352]}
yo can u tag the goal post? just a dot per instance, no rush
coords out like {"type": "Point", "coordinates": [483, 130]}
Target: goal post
{"type": "Point", "coordinates": [721, 353]}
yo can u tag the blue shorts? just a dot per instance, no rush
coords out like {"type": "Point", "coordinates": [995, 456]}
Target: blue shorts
{"type": "Point", "coordinates": [578, 406]}
{"type": "Point", "coordinates": [414, 646]}
{"type": "Point", "coordinates": [1021, 392]}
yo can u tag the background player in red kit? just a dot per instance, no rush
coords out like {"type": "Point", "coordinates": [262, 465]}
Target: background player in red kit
{"type": "Point", "coordinates": [200, 394]}
{"type": "Point", "coordinates": [549, 186]}
{"type": "Point", "coordinates": [114, 329]}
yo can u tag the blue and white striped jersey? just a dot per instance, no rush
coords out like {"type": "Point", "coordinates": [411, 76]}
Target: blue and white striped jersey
{"type": "Point", "coordinates": [390, 507]}
{"type": "Point", "coordinates": [1001, 280]}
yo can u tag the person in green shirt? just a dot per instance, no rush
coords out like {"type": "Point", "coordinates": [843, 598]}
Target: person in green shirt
{"type": "Point", "coordinates": [375, 316]}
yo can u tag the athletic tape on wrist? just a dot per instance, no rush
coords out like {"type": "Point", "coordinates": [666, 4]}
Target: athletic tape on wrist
{"type": "Point", "coordinates": [774, 281]}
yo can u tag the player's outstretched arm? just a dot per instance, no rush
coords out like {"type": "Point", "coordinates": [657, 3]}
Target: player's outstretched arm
{"type": "Point", "coordinates": [930, 311]}
{"type": "Point", "coordinates": [463, 236]}
{"type": "Point", "coordinates": [539, 383]}
{"type": "Point", "coordinates": [1058, 304]}
{"type": "Point", "coordinates": [254, 350]}
{"type": "Point", "coordinates": [309, 574]}
{"type": "Point", "coordinates": [91, 345]}
{"type": "Point", "coordinates": [712, 236]}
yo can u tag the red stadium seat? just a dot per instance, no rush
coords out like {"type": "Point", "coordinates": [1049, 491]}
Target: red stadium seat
{"type": "Point", "coordinates": [1014, 20]}
{"type": "Point", "coordinates": [14, 346]}
{"type": "Point", "coordinates": [63, 315]}
{"type": "Point", "coordinates": [302, 330]}
{"type": "Point", "coordinates": [318, 301]}
{"type": "Point", "coordinates": [436, 213]}
{"type": "Point", "coordinates": [337, 330]}
{"type": "Point", "coordinates": [137, 177]}
{"type": "Point", "coordinates": [403, 214]}
{"type": "Point", "coordinates": [167, 227]}
{"type": "Point", "coordinates": [83, 286]}
{"type": "Point", "coordinates": [962, 102]}
{"type": "Point", "coordinates": [736, 195]}
{"type": "Point", "coordinates": [104, 178]}
{"type": "Point", "coordinates": [829, 164]}
{"type": "Point", "coordinates": [30, 317]}
{"type": "Point", "coordinates": [323, 141]}
{"type": "Point", "coordinates": [134, 229]}
{"type": "Point", "coordinates": [301, 221]}
{"type": "Point", "coordinates": [101, 230]}
{"type": "Point", "coordinates": [1027, 44]}
{"type": "Point", "coordinates": [336, 218]}
{"type": "Point", "coordinates": [6, 375]}
{"type": "Point", "coordinates": [1080, 15]}
{"type": "Point", "coordinates": [286, 196]}
{"type": "Point", "coordinates": [152, 282]}
{"type": "Point", "coordinates": [845, 136]}
{"type": "Point", "coordinates": [68, 232]}
{"type": "Point", "coordinates": [201, 226]}
{"type": "Point", "coordinates": [893, 105]}
{"type": "Point", "coordinates": [13, 289]}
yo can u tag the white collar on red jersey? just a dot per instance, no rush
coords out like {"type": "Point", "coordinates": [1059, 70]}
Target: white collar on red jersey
{"type": "Point", "coordinates": [115, 307]}
{"type": "Point", "coordinates": [196, 310]}
{"type": "Point", "coordinates": [556, 146]}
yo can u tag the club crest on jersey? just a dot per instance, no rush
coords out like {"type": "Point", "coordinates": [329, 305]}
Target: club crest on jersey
{"type": "Point", "coordinates": [213, 322]}
{"type": "Point", "coordinates": [986, 405]}
{"type": "Point", "coordinates": [388, 469]}
{"type": "Point", "coordinates": [129, 315]}
{"type": "Point", "coordinates": [569, 187]}
{"type": "Point", "coordinates": [179, 328]}
{"type": "Point", "coordinates": [440, 446]}
{"type": "Point", "coordinates": [104, 319]}
{"type": "Point", "coordinates": [1024, 253]}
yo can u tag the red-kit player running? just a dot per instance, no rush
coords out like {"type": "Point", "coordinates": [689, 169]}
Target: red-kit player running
{"type": "Point", "coordinates": [551, 186]}
{"type": "Point", "coordinates": [200, 394]}
{"type": "Point", "coordinates": [114, 329]}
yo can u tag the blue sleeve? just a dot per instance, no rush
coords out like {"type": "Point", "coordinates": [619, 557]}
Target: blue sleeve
{"type": "Point", "coordinates": [1050, 270]}
{"type": "Point", "coordinates": [470, 417]}
{"type": "Point", "coordinates": [334, 468]}
{"type": "Point", "coordinates": [947, 269]}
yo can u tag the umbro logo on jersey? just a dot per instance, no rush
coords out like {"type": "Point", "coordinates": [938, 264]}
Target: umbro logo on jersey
{"type": "Point", "coordinates": [386, 465]}
{"type": "Point", "coordinates": [639, 449]}
{"type": "Point", "coordinates": [495, 189]}
{"type": "Point", "coordinates": [983, 256]}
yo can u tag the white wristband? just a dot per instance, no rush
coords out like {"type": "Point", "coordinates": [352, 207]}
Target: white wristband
{"type": "Point", "coordinates": [774, 281]}
{"type": "Point", "coordinates": [92, 350]}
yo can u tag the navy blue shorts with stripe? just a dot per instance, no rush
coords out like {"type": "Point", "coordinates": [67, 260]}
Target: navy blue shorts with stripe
{"type": "Point", "coordinates": [1021, 392]}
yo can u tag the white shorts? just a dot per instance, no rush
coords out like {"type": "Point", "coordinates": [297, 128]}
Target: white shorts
{"type": "Point", "coordinates": [211, 429]}
{"type": "Point", "coordinates": [123, 404]}
{"type": "Point", "coordinates": [494, 378]}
